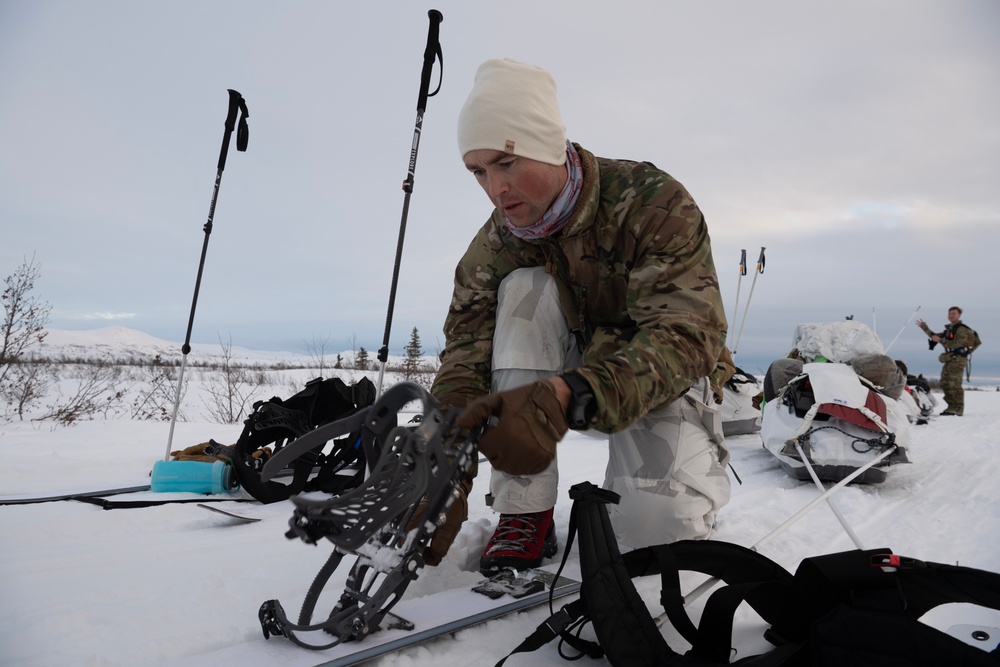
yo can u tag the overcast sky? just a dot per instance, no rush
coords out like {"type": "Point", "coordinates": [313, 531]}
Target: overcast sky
{"type": "Point", "coordinates": [857, 140]}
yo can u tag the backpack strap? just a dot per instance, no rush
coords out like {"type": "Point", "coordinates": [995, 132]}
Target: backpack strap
{"type": "Point", "coordinates": [560, 624]}
{"type": "Point", "coordinates": [574, 615]}
{"type": "Point", "coordinates": [627, 634]}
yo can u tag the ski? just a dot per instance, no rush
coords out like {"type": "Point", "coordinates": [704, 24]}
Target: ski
{"type": "Point", "coordinates": [73, 495]}
{"type": "Point", "coordinates": [250, 512]}
{"type": "Point", "coordinates": [145, 496]}
{"type": "Point", "coordinates": [411, 622]}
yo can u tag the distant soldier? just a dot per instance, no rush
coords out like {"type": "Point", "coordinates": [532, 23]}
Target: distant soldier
{"type": "Point", "coordinates": [958, 341]}
{"type": "Point", "coordinates": [589, 300]}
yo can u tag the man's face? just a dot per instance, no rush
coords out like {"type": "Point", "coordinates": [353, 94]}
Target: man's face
{"type": "Point", "coordinates": [522, 189]}
{"type": "Point", "coordinates": [954, 315]}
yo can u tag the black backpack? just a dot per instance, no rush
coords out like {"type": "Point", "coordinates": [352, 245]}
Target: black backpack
{"type": "Point", "coordinates": [277, 422]}
{"type": "Point", "coordinates": [844, 609]}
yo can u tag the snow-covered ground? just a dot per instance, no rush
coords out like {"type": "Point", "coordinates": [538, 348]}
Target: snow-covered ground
{"type": "Point", "coordinates": [89, 587]}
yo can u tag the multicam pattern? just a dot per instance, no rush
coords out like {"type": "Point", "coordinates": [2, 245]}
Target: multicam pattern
{"type": "Point", "coordinates": [638, 282]}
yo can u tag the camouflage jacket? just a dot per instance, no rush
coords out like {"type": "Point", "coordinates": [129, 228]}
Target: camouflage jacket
{"type": "Point", "coordinates": [957, 336]}
{"type": "Point", "coordinates": [637, 280]}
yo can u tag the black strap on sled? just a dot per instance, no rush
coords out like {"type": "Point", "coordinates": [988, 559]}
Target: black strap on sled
{"type": "Point", "coordinates": [856, 607]}
{"type": "Point", "coordinates": [279, 422]}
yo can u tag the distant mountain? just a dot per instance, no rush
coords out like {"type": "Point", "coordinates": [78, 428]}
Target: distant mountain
{"type": "Point", "coordinates": [122, 343]}
{"type": "Point", "coordinates": [119, 342]}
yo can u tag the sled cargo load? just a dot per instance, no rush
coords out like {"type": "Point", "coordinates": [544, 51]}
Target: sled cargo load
{"type": "Point", "coordinates": [835, 401]}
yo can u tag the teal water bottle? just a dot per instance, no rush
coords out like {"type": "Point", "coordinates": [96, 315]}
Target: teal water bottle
{"type": "Point", "coordinates": [193, 477]}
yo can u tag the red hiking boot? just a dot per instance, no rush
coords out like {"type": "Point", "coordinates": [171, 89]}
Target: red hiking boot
{"type": "Point", "coordinates": [519, 542]}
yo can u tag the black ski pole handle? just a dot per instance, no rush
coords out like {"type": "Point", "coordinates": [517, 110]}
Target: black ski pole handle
{"type": "Point", "coordinates": [237, 106]}
{"type": "Point", "coordinates": [431, 52]}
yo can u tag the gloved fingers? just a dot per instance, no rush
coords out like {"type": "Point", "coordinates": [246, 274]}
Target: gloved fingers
{"type": "Point", "coordinates": [479, 411]}
{"type": "Point", "coordinates": [193, 450]}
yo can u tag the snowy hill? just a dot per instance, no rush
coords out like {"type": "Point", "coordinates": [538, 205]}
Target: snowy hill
{"type": "Point", "coordinates": [124, 343]}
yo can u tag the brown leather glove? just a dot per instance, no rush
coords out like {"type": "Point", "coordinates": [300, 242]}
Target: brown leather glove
{"type": "Point", "coordinates": [200, 452]}
{"type": "Point", "coordinates": [530, 422]}
{"type": "Point", "coordinates": [194, 453]}
{"type": "Point", "coordinates": [447, 532]}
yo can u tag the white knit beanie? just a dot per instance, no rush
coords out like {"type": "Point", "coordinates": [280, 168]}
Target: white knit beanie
{"type": "Point", "coordinates": [513, 108]}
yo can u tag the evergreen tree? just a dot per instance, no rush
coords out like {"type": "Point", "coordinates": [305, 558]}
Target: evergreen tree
{"type": "Point", "coordinates": [414, 354]}
{"type": "Point", "coordinates": [361, 359]}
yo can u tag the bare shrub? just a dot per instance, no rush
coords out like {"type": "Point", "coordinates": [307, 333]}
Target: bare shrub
{"type": "Point", "coordinates": [96, 394]}
{"type": "Point", "coordinates": [23, 327]}
{"type": "Point", "coordinates": [158, 390]}
{"type": "Point", "coordinates": [232, 388]}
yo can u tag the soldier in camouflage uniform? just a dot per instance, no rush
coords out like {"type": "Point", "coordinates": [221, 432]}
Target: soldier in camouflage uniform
{"type": "Point", "coordinates": [958, 342]}
{"type": "Point", "coordinates": [590, 300]}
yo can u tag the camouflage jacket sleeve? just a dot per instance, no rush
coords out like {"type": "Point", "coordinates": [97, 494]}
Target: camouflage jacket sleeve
{"type": "Point", "coordinates": [927, 330]}
{"type": "Point", "coordinates": [674, 326]}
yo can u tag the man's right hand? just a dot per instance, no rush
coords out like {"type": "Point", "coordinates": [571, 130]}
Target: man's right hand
{"type": "Point", "coordinates": [530, 421]}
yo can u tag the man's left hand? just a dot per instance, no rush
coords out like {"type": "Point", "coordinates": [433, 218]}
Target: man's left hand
{"type": "Point", "coordinates": [530, 422]}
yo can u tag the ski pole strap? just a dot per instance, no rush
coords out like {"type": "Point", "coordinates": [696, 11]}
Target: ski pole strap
{"type": "Point", "coordinates": [237, 106]}
{"type": "Point", "coordinates": [431, 52]}
{"type": "Point", "coordinates": [760, 261]}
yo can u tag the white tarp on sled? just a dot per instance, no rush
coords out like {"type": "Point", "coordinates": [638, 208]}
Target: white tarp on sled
{"type": "Point", "coordinates": [838, 341]}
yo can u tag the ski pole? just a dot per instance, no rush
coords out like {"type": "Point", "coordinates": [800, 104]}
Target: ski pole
{"type": "Point", "coordinates": [901, 329]}
{"type": "Point", "coordinates": [746, 308]}
{"type": "Point", "coordinates": [739, 283]}
{"type": "Point", "coordinates": [237, 105]}
{"type": "Point", "coordinates": [432, 52]}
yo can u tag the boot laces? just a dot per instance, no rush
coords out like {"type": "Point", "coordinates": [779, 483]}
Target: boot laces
{"type": "Point", "coordinates": [514, 530]}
